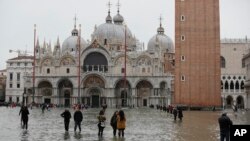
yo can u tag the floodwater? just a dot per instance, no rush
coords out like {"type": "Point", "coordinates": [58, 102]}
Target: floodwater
{"type": "Point", "coordinates": [143, 124]}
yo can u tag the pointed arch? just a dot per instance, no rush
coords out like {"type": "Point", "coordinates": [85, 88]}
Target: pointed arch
{"type": "Point", "coordinates": [242, 85]}
{"type": "Point", "coordinates": [231, 85]}
{"type": "Point", "coordinates": [229, 101]}
{"type": "Point", "coordinates": [237, 85]}
{"type": "Point", "coordinates": [226, 85]}
{"type": "Point", "coordinates": [240, 101]}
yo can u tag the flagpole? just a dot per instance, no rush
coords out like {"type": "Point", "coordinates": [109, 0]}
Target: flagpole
{"type": "Point", "coordinates": [34, 64]}
{"type": "Point", "coordinates": [125, 61]}
{"type": "Point", "coordinates": [79, 53]}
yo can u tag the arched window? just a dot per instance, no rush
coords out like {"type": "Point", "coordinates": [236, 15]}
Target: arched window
{"type": "Point", "coordinates": [105, 41]}
{"type": "Point", "coordinates": [237, 85]}
{"type": "Point", "coordinates": [226, 85]}
{"type": "Point", "coordinates": [221, 87]}
{"type": "Point", "coordinates": [242, 85]}
{"type": "Point", "coordinates": [48, 71]}
{"type": "Point", "coordinates": [222, 62]}
{"type": "Point", "coordinates": [231, 85]}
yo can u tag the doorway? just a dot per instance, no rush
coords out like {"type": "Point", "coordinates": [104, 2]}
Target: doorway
{"type": "Point", "coordinates": [47, 100]}
{"type": "Point", "coordinates": [95, 101]}
{"type": "Point", "coordinates": [144, 102]}
{"type": "Point", "coordinates": [124, 98]}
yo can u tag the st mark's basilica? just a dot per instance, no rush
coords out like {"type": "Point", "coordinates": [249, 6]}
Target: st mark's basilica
{"type": "Point", "coordinates": [103, 72]}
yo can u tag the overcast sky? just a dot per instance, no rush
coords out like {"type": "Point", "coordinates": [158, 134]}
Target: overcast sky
{"type": "Point", "coordinates": [55, 18]}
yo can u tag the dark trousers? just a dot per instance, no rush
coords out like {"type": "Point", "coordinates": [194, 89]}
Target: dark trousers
{"type": "Point", "coordinates": [100, 130]}
{"type": "Point", "coordinates": [66, 125]}
{"type": "Point", "coordinates": [114, 130]}
{"type": "Point", "coordinates": [77, 124]}
{"type": "Point", "coordinates": [121, 132]}
{"type": "Point", "coordinates": [25, 124]}
{"type": "Point", "coordinates": [224, 136]}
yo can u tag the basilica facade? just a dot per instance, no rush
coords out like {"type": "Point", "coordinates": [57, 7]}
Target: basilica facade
{"type": "Point", "coordinates": [101, 71]}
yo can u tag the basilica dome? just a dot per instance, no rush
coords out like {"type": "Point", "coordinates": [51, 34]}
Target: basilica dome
{"type": "Point", "coordinates": [160, 41]}
{"type": "Point", "coordinates": [70, 44]}
{"type": "Point", "coordinates": [112, 33]}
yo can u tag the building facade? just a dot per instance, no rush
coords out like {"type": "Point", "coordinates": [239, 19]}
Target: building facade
{"type": "Point", "coordinates": [246, 62]}
{"type": "Point", "coordinates": [102, 72]}
{"type": "Point", "coordinates": [2, 85]}
{"type": "Point", "coordinates": [17, 70]}
{"type": "Point", "coordinates": [233, 72]}
{"type": "Point", "coordinates": [197, 53]}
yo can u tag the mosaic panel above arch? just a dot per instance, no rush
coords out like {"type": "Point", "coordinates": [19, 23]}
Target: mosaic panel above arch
{"type": "Point", "coordinates": [67, 61]}
{"type": "Point", "coordinates": [47, 62]}
{"type": "Point", "coordinates": [94, 81]}
{"type": "Point", "coordinates": [121, 60]}
{"type": "Point", "coordinates": [144, 61]}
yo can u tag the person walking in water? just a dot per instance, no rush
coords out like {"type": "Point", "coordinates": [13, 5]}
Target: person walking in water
{"type": "Point", "coordinates": [20, 113]}
{"type": "Point", "coordinates": [121, 123]}
{"type": "Point", "coordinates": [180, 114]}
{"type": "Point", "coordinates": [78, 119]}
{"type": "Point", "coordinates": [66, 115]}
{"type": "Point", "coordinates": [101, 124]}
{"type": "Point", "coordinates": [25, 118]}
{"type": "Point", "coordinates": [225, 124]}
{"type": "Point", "coordinates": [113, 122]}
{"type": "Point", "coordinates": [175, 113]}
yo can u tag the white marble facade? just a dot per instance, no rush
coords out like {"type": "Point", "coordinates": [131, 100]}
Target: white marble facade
{"type": "Point", "coordinates": [102, 68]}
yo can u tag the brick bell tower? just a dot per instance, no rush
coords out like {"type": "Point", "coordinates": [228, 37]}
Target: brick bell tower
{"type": "Point", "coordinates": [197, 53]}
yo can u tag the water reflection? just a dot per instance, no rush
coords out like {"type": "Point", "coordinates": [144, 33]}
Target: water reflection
{"type": "Point", "coordinates": [77, 135]}
{"type": "Point", "coordinates": [24, 135]}
{"type": "Point", "coordinates": [66, 136]}
{"type": "Point", "coordinates": [142, 125]}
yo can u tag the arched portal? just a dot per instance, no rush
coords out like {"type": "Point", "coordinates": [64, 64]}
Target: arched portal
{"type": "Point", "coordinates": [44, 92]}
{"type": "Point", "coordinates": [143, 90]}
{"type": "Point", "coordinates": [240, 102]}
{"type": "Point", "coordinates": [65, 88]}
{"type": "Point", "coordinates": [94, 85]}
{"type": "Point", "coordinates": [123, 93]}
{"type": "Point", "coordinates": [229, 101]}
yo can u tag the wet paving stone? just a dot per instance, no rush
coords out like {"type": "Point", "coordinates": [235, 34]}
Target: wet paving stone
{"type": "Point", "coordinates": [143, 124]}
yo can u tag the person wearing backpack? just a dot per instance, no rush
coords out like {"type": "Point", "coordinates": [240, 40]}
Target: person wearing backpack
{"type": "Point", "coordinates": [113, 122]}
{"type": "Point", "coordinates": [101, 124]}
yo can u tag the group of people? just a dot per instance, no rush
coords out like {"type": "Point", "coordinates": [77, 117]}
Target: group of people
{"type": "Point", "coordinates": [77, 118]}
{"type": "Point", "coordinates": [117, 121]}
{"type": "Point", "coordinates": [177, 111]}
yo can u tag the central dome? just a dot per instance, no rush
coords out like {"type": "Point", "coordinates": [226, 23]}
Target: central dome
{"type": "Point", "coordinates": [111, 33]}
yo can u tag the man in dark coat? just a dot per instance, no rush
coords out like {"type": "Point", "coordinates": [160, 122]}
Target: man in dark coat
{"type": "Point", "coordinates": [66, 115]}
{"type": "Point", "coordinates": [180, 114]}
{"type": "Point", "coordinates": [225, 123]}
{"type": "Point", "coordinates": [25, 118]}
{"type": "Point", "coordinates": [20, 113]}
{"type": "Point", "coordinates": [175, 113]}
{"type": "Point", "coordinates": [78, 119]}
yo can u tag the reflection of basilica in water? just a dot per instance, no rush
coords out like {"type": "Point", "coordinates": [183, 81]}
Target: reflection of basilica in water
{"type": "Point", "coordinates": [102, 68]}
